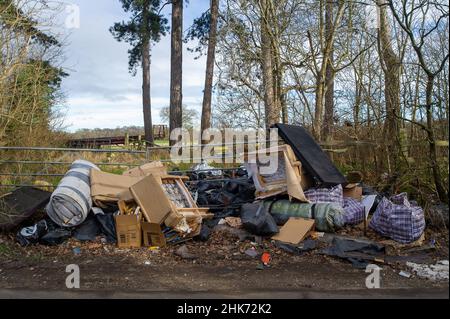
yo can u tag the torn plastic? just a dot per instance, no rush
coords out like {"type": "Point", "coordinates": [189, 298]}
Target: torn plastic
{"type": "Point", "coordinates": [88, 230]}
{"type": "Point", "coordinates": [203, 170]}
{"type": "Point", "coordinates": [359, 253]}
{"type": "Point", "coordinates": [300, 249]}
{"type": "Point", "coordinates": [55, 237]}
{"type": "Point", "coordinates": [257, 220]}
{"type": "Point", "coordinates": [107, 226]}
{"type": "Point", "coordinates": [30, 235]}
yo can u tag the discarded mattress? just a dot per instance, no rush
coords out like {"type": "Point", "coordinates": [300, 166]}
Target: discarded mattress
{"type": "Point", "coordinates": [398, 219]}
{"type": "Point", "coordinates": [20, 205]}
{"type": "Point", "coordinates": [328, 217]}
{"type": "Point", "coordinates": [71, 201]}
{"type": "Point", "coordinates": [315, 161]}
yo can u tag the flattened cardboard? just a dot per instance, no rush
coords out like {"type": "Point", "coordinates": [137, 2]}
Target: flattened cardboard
{"type": "Point", "coordinates": [106, 187]}
{"type": "Point", "coordinates": [353, 192]}
{"type": "Point", "coordinates": [152, 235]}
{"type": "Point", "coordinates": [150, 196]}
{"type": "Point", "coordinates": [154, 168]}
{"type": "Point", "coordinates": [295, 230]}
{"type": "Point", "coordinates": [128, 229]}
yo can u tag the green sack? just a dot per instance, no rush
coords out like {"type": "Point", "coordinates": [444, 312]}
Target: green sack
{"type": "Point", "coordinates": [328, 216]}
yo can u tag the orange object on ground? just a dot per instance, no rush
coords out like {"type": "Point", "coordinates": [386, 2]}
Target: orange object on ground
{"type": "Point", "coordinates": [266, 258]}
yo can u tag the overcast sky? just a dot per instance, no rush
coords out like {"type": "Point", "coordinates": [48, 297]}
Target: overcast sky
{"type": "Point", "coordinates": [100, 91]}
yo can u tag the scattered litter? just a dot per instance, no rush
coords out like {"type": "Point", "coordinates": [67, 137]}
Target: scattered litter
{"type": "Point", "coordinates": [266, 258]}
{"type": "Point", "coordinates": [405, 274]}
{"type": "Point", "coordinates": [299, 249]}
{"type": "Point", "coordinates": [316, 235]}
{"type": "Point", "coordinates": [234, 222]}
{"type": "Point", "coordinates": [203, 170]}
{"type": "Point", "coordinates": [147, 263]}
{"type": "Point", "coordinates": [260, 266]}
{"type": "Point", "coordinates": [436, 272]}
{"type": "Point", "coordinates": [359, 252]}
{"type": "Point", "coordinates": [31, 235]}
{"type": "Point", "coordinates": [184, 253]}
{"type": "Point", "coordinates": [252, 252]}
{"type": "Point", "coordinates": [76, 251]}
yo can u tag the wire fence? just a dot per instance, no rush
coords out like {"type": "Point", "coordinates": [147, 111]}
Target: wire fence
{"type": "Point", "coordinates": [45, 166]}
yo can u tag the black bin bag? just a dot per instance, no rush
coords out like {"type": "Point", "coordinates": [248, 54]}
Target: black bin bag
{"type": "Point", "coordinates": [257, 220]}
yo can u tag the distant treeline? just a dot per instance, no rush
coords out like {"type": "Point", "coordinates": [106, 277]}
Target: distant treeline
{"type": "Point", "coordinates": [108, 132]}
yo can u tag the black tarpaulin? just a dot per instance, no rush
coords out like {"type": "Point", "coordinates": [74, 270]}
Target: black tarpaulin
{"type": "Point", "coordinates": [20, 205]}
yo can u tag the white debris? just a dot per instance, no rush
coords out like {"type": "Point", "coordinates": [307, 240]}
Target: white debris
{"type": "Point", "coordinates": [405, 274]}
{"type": "Point", "coordinates": [439, 271]}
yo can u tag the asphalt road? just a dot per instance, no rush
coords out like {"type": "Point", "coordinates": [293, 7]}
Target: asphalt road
{"type": "Point", "coordinates": [429, 293]}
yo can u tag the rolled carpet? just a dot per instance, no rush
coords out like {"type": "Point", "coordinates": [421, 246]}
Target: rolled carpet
{"type": "Point", "coordinates": [71, 201]}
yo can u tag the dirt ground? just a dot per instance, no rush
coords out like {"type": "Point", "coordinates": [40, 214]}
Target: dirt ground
{"type": "Point", "coordinates": [220, 265]}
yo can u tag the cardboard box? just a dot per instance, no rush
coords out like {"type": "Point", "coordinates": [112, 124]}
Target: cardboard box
{"type": "Point", "coordinates": [353, 191]}
{"type": "Point", "coordinates": [128, 229]}
{"type": "Point", "coordinates": [152, 235]}
{"type": "Point", "coordinates": [152, 200]}
{"type": "Point", "coordinates": [154, 168]}
{"type": "Point", "coordinates": [106, 187]}
{"type": "Point", "coordinates": [295, 230]}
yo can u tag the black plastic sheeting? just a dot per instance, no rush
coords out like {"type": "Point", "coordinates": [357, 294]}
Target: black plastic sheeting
{"type": "Point", "coordinates": [96, 225]}
{"type": "Point", "coordinates": [359, 253]}
{"type": "Point", "coordinates": [257, 220]}
{"type": "Point", "coordinates": [315, 161]}
{"type": "Point", "coordinates": [22, 204]}
{"type": "Point", "coordinates": [46, 232]}
{"type": "Point", "coordinates": [224, 198]}
{"type": "Point", "coordinates": [303, 247]}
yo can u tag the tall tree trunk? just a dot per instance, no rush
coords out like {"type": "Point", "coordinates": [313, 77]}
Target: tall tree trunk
{"type": "Point", "coordinates": [210, 59]}
{"type": "Point", "coordinates": [272, 114]}
{"type": "Point", "coordinates": [327, 128]}
{"type": "Point", "coordinates": [391, 68]}
{"type": "Point", "coordinates": [146, 100]}
{"type": "Point", "coordinates": [176, 73]}
{"type": "Point", "coordinates": [321, 81]}
{"type": "Point", "coordinates": [443, 195]}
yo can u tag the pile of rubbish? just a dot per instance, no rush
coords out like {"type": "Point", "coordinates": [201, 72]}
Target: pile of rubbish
{"type": "Point", "coordinates": [303, 197]}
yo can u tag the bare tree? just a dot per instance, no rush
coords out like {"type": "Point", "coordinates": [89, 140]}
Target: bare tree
{"type": "Point", "coordinates": [419, 22]}
{"type": "Point", "coordinates": [176, 73]}
{"type": "Point", "coordinates": [210, 60]}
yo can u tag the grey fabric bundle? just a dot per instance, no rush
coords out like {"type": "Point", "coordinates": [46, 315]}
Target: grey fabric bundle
{"type": "Point", "coordinates": [71, 201]}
